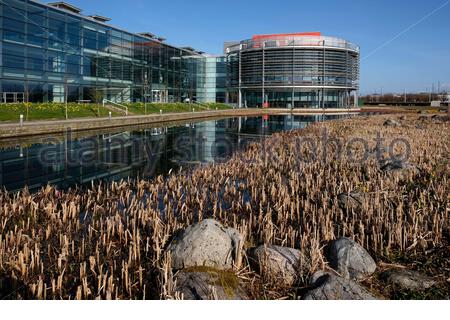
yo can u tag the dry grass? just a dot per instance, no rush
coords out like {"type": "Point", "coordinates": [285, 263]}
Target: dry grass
{"type": "Point", "coordinates": [107, 241]}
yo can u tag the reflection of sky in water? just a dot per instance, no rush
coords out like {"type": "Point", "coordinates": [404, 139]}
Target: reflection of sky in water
{"type": "Point", "coordinates": [143, 153]}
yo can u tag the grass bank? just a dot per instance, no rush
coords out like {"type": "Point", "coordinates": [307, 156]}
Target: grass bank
{"type": "Point", "coordinates": [57, 111]}
{"type": "Point", "coordinates": [51, 111]}
{"type": "Point", "coordinates": [108, 241]}
{"type": "Point", "coordinates": [152, 108]}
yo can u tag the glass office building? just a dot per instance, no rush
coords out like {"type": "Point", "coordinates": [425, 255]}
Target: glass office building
{"type": "Point", "coordinates": [211, 79]}
{"type": "Point", "coordinates": [300, 70]}
{"type": "Point", "coordinates": [52, 51]}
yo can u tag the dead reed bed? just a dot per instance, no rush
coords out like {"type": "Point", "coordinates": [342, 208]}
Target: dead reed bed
{"type": "Point", "coordinates": [108, 241]}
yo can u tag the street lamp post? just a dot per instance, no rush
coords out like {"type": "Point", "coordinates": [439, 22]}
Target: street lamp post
{"type": "Point", "coordinates": [65, 97]}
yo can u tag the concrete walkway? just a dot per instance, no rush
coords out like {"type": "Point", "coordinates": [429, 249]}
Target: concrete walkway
{"type": "Point", "coordinates": [33, 128]}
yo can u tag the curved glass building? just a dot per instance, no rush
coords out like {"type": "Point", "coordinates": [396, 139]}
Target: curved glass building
{"type": "Point", "coordinates": [298, 70]}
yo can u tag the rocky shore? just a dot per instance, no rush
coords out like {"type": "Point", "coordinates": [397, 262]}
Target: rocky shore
{"type": "Point", "coordinates": [355, 209]}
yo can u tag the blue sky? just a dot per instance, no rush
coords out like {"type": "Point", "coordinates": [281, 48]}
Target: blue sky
{"type": "Point", "coordinates": [405, 44]}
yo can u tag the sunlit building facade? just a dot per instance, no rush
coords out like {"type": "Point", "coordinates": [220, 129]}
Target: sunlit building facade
{"type": "Point", "coordinates": [299, 70]}
{"type": "Point", "coordinates": [52, 51]}
{"type": "Point", "coordinates": [211, 79]}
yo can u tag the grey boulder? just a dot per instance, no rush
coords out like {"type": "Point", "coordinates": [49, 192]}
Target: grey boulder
{"type": "Point", "coordinates": [351, 200]}
{"type": "Point", "coordinates": [408, 279]}
{"type": "Point", "coordinates": [280, 262]}
{"type": "Point", "coordinates": [394, 165]}
{"type": "Point", "coordinates": [438, 118]}
{"type": "Point", "coordinates": [209, 284]}
{"type": "Point", "coordinates": [391, 123]}
{"type": "Point", "coordinates": [350, 260]}
{"type": "Point", "coordinates": [328, 286]}
{"type": "Point", "coordinates": [398, 167]}
{"type": "Point", "coordinates": [207, 243]}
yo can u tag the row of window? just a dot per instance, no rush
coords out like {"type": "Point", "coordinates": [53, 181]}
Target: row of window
{"type": "Point", "coordinates": [74, 57]}
{"type": "Point", "coordinates": [157, 78]}
{"type": "Point", "coordinates": [152, 55]}
{"type": "Point", "coordinates": [43, 16]}
{"type": "Point", "coordinates": [40, 91]}
{"type": "Point", "coordinates": [297, 79]}
{"type": "Point", "coordinates": [59, 26]}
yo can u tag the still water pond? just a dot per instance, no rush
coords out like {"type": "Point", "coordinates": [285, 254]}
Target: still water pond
{"type": "Point", "coordinates": [144, 153]}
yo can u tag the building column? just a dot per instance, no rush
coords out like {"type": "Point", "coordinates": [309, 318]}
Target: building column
{"type": "Point", "coordinates": [240, 78]}
{"type": "Point", "coordinates": [263, 93]}
{"type": "Point", "coordinates": [293, 75]}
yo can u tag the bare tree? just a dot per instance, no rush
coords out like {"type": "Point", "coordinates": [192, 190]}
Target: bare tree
{"type": "Point", "coordinates": [97, 96]}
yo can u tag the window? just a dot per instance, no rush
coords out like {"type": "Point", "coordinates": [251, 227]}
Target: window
{"type": "Point", "coordinates": [54, 42]}
{"type": "Point", "coordinates": [36, 30]}
{"type": "Point", "coordinates": [72, 93]}
{"type": "Point", "coordinates": [73, 68]}
{"type": "Point", "coordinates": [35, 60]}
{"type": "Point", "coordinates": [12, 86]}
{"type": "Point", "coordinates": [35, 40]}
{"type": "Point", "coordinates": [13, 36]}
{"type": "Point", "coordinates": [73, 26]}
{"type": "Point", "coordinates": [102, 41]}
{"type": "Point", "coordinates": [73, 59]}
{"type": "Point", "coordinates": [73, 64]}
{"type": "Point", "coordinates": [16, 62]}
{"type": "Point", "coordinates": [116, 69]}
{"type": "Point", "coordinates": [15, 25]}
{"type": "Point", "coordinates": [36, 16]}
{"type": "Point", "coordinates": [73, 40]}
{"type": "Point", "coordinates": [116, 34]}
{"type": "Point", "coordinates": [57, 34]}
{"type": "Point", "coordinates": [128, 37]}
{"type": "Point", "coordinates": [127, 72]}
{"type": "Point", "coordinates": [89, 66]}
{"type": "Point", "coordinates": [116, 41]}
{"type": "Point", "coordinates": [90, 39]}
{"type": "Point", "coordinates": [55, 62]}
{"type": "Point", "coordinates": [35, 91]}
{"type": "Point", "coordinates": [56, 20]}
{"type": "Point", "coordinates": [13, 49]}
{"type": "Point", "coordinates": [9, 11]}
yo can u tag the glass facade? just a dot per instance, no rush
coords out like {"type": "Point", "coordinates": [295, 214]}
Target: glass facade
{"type": "Point", "coordinates": [48, 53]}
{"type": "Point", "coordinates": [211, 81]}
{"type": "Point", "coordinates": [293, 70]}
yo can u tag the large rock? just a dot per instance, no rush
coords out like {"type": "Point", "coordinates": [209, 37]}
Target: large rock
{"type": "Point", "coordinates": [391, 123]}
{"type": "Point", "coordinates": [398, 167]}
{"type": "Point", "coordinates": [350, 260]}
{"type": "Point", "coordinates": [351, 200]}
{"type": "Point", "coordinates": [394, 165]}
{"type": "Point", "coordinates": [281, 263]}
{"type": "Point", "coordinates": [209, 284]}
{"type": "Point", "coordinates": [206, 243]}
{"type": "Point", "coordinates": [438, 118]}
{"type": "Point", "coordinates": [327, 286]}
{"type": "Point", "coordinates": [408, 279]}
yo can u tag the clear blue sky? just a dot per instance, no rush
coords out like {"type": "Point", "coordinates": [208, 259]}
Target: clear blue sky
{"type": "Point", "coordinates": [415, 44]}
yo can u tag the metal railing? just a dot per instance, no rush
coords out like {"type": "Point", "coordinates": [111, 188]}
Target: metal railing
{"type": "Point", "coordinates": [294, 41]}
{"type": "Point", "coordinates": [202, 105]}
{"type": "Point", "coordinates": [105, 101]}
{"type": "Point", "coordinates": [12, 97]}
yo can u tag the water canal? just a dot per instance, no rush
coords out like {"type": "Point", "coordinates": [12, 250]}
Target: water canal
{"type": "Point", "coordinates": [70, 161]}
